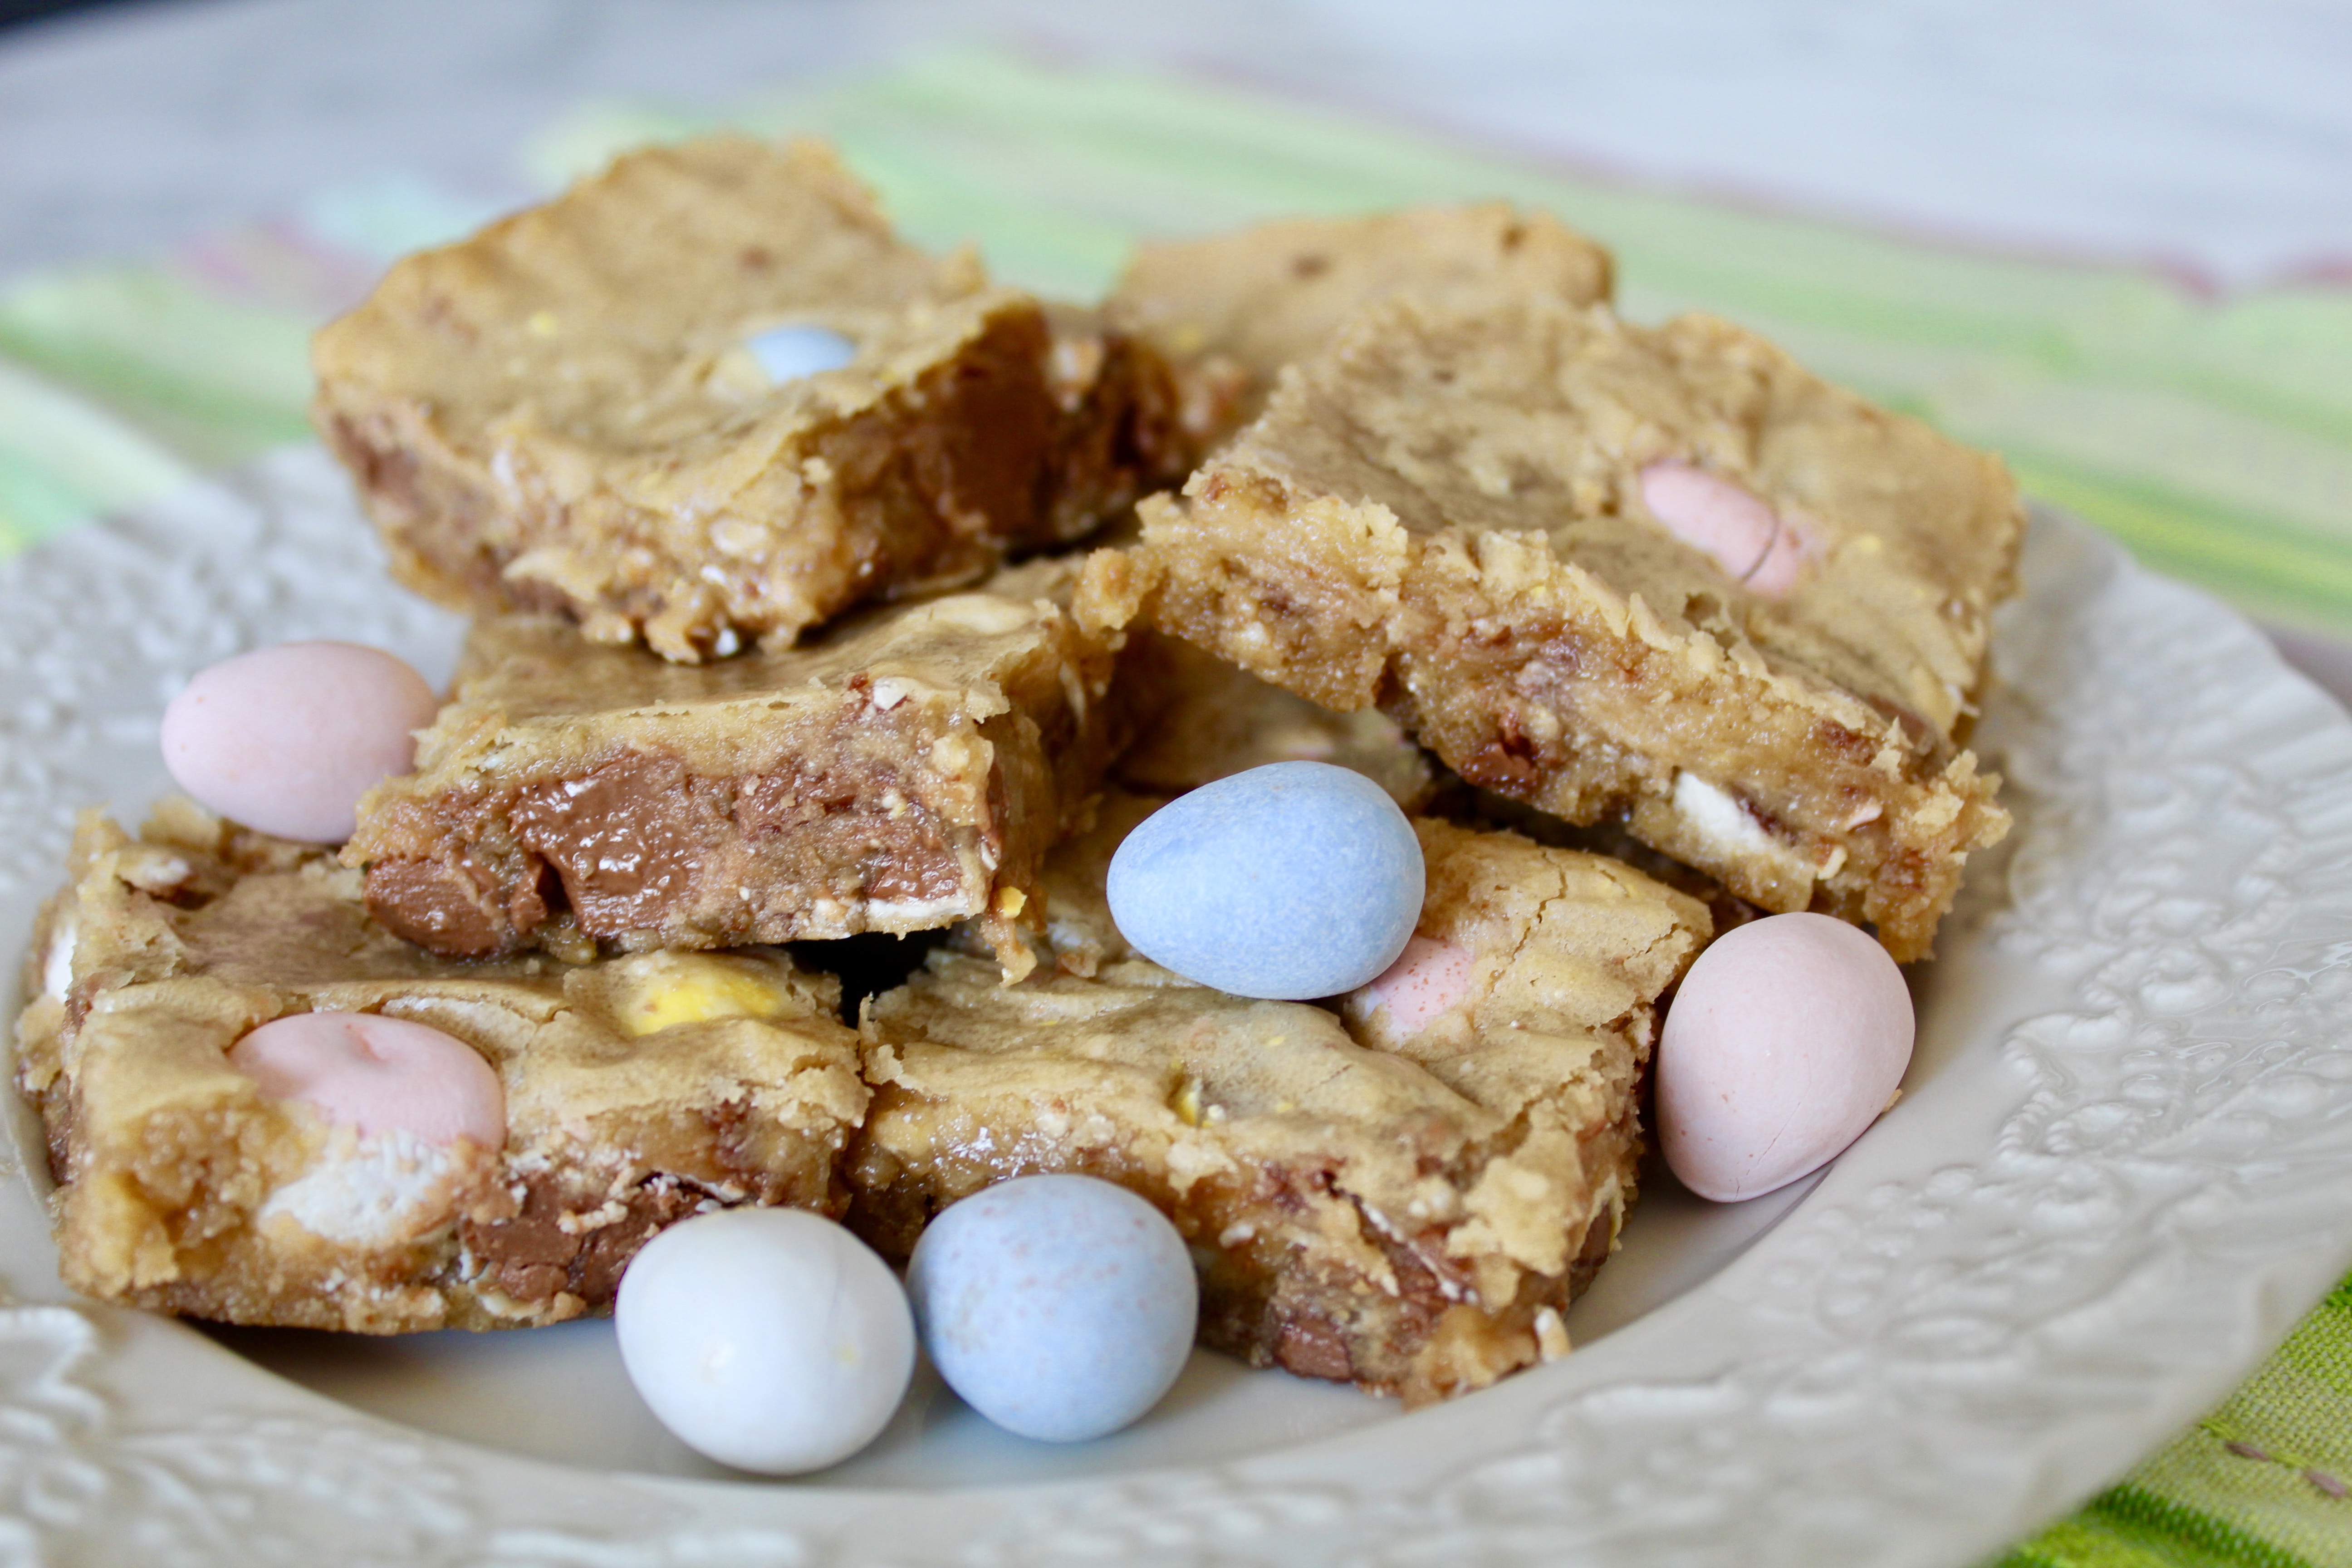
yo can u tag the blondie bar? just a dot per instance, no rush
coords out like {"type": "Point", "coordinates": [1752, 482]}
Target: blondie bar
{"type": "Point", "coordinates": [1403, 1195]}
{"type": "Point", "coordinates": [1230, 310]}
{"type": "Point", "coordinates": [638, 1090]}
{"type": "Point", "coordinates": [1456, 513]}
{"type": "Point", "coordinates": [562, 412]}
{"type": "Point", "coordinates": [907, 770]}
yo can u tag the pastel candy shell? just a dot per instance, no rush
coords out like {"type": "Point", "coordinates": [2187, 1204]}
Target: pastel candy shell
{"type": "Point", "coordinates": [378, 1076]}
{"type": "Point", "coordinates": [1290, 881]}
{"type": "Point", "coordinates": [768, 1339]}
{"type": "Point", "coordinates": [1747, 537]}
{"type": "Point", "coordinates": [1060, 1307]}
{"type": "Point", "coordinates": [286, 739]}
{"type": "Point", "coordinates": [1785, 1041]}
{"type": "Point", "coordinates": [1428, 980]}
{"type": "Point", "coordinates": [788, 354]}
{"type": "Point", "coordinates": [1782, 564]}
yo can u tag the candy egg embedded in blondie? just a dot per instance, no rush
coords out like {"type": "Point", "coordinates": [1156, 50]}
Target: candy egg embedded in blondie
{"type": "Point", "coordinates": [635, 1092]}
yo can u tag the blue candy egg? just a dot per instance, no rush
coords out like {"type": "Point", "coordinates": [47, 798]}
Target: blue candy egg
{"type": "Point", "coordinates": [1060, 1307]}
{"type": "Point", "coordinates": [787, 353]}
{"type": "Point", "coordinates": [1290, 881]}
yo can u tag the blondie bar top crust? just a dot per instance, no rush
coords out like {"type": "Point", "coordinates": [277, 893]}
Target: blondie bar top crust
{"type": "Point", "coordinates": [908, 770]}
{"type": "Point", "coordinates": [1409, 1209]}
{"type": "Point", "coordinates": [559, 414]}
{"type": "Point", "coordinates": [638, 1090]}
{"type": "Point", "coordinates": [1233, 308]}
{"type": "Point", "coordinates": [1443, 513]}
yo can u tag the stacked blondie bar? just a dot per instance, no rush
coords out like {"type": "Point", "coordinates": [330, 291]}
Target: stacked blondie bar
{"type": "Point", "coordinates": [765, 661]}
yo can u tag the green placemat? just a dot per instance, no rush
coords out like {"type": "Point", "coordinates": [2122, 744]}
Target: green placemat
{"type": "Point", "coordinates": [2214, 438]}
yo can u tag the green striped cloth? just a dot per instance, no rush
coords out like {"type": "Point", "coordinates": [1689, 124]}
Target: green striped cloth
{"type": "Point", "coordinates": [2262, 1482]}
{"type": "Point", "coordinates": [2212, 436]}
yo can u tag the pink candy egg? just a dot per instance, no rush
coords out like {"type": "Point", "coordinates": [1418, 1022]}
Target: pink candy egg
{"type": "Point", "coordinates": [1428, 980]}
{"type": "Point", "coordinates": [1787, 1039]}
{"type": "Point", "coordinates": [1743, 534]}
{"type": "Point", "coordinates": [286, 739]}
{"type": "Point", "coordinates": [377, 1075]}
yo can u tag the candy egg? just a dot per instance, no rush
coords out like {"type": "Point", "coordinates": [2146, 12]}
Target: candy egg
{"type": "Point", "coordinates": [379, 1076]}
{"type": "Point", "coordinates": [1743, 534]}
{"type": "Point", "coordinates": [286, 739]}
{"type": "Point", "coordinates": [768, 1339]}
{"type": "Point", "coordinates": [1290, 881]}
{"type": "Point", "coordinates": [1060, 1307]}
{"type": "Point", "coordinates": [1785, 1041]}
{"type": "Point", "coordinates": [1429, 979]}
{"type": "Point", "coordinates": [787, 353]}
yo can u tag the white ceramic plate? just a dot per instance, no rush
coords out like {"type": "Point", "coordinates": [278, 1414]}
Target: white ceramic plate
{"type": "Point", "coordinates": [2120, 1169]}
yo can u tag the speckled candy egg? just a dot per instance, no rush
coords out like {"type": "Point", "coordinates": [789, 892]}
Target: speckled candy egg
{"type": "Point", "coordinates": [286, 739]}
{"type": "Point", "coordinates": [1060, 1307]}
{"type": "Point", "coordinates": [1290, 881]}
{"type": "Point", "coordinates": [1786, 1041]}
{"type": "Point", "coordinates": [768, 1339]}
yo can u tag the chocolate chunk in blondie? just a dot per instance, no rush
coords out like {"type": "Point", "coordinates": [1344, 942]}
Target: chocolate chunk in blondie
{"type": "Point", "coordinates": [1230, 310]}
{"type": "Point", "coordinates": [1119, 430]}
{"type": "Point", "coordinates": [562, 412]}
{"type": "Point", "coordinates": [1456, 513]}
{"type": "Point", "coordinates": [907, 770]}
{"type": "Point", "coordinates": [638, 1090]}
{"type": "Point", "coordinates": [1403, 1202]}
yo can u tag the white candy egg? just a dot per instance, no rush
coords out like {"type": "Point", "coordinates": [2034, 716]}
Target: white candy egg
{"type": "Point", "coordinates": [286, 739]}
{"type": "Point", "coordinates": [1786, 1041]}
{"type": "Point", "coordinates": [768, 1339]}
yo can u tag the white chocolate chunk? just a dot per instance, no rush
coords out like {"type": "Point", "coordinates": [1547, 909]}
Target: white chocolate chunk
{"type": "Point", "coordinates": [373, 1192]}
